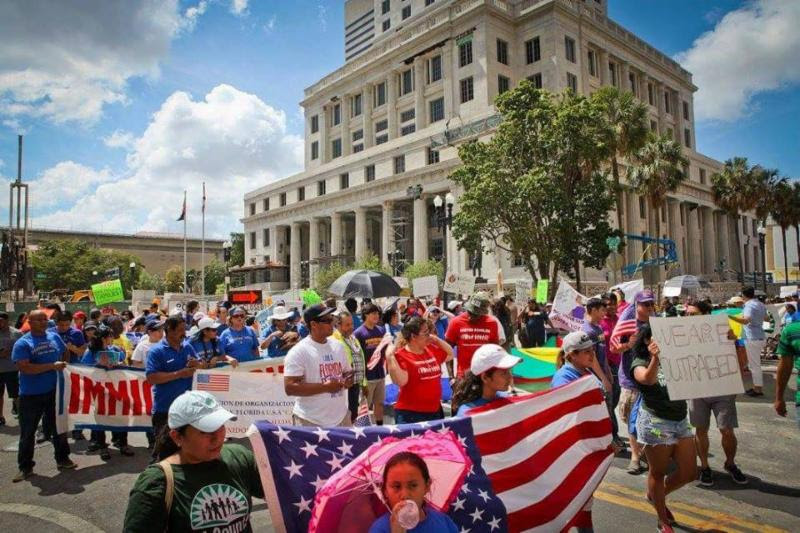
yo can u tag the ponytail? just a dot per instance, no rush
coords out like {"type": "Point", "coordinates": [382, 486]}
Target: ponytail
{"type": "Point", "coordinates": [467, 389]}
{"type": "Point", "coordinates": [165, 446]}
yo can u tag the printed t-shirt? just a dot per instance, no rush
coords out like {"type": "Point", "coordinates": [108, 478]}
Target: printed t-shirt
{"type": "Point", "coordinates": [319, 363]}
{"type": "Point", "coordinates": [71, 336]}
{"type": "Point", "coordinates": [757, 313]}
{"type": "Point", "coordinates": [789, 346]}
{"type": "Point", "coordinates": [423, 391]}
{"type": "Point", "coordinates": [38, 349]}
{"type": "Point", "coordinates": [462, 409]}
{"type": "Point", "coordinates": [205, 350]}
{"type": "Point", "coordinates": [90, 357]}
{"type": "Point", "coordinates": [239, 344]}
{"type": "Point", "coordinates": [124, 344]}
{"type": "Point", "coordinates": [435, 522]}
{"type": "Point", "coordinates": [207, 497]}
{"type": "Point", "coordinates": [469, 335]}
{"type": "Point", "coordinates": [7, 340]}
{"type": "Point", "coordinates": [655, 398]}
{"type": "Point", "coordinates": [369, 339]}
{"type": "Point", "coordinates": [164, 358]}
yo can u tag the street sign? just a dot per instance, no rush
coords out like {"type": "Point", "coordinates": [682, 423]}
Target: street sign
{"type": "Point", "coordinates": [112, 272]}
{"type": "Point", "coordinates": [249, 297]}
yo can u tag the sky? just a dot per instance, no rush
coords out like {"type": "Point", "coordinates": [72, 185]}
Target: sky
{"type": "Point", "coordinates": [126, 104]}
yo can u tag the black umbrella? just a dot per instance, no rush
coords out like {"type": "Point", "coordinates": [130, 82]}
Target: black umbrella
{"type": "Point", "coordinates": [364, 284]}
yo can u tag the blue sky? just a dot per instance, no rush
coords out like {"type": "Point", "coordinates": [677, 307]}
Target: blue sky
{"type": "Point", "coordinates": [117, 126]}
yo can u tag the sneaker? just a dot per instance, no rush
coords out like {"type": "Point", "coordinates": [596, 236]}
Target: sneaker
{"type": "Point", "coordinates": [126, 450]}
{"type": "Point", "coordinates": [67, 465]}
{"type": "Point", "coordinates": [78, 435]}
{"type": "Point", "coordinates": [22, 475]}
{"type": "Point", "coordinates": [93, 446]}
{"type": "Point", "coordinates": [736, 474]}
{"type": "Point", "coordinates": [753, 394]}
{"type": "Point", "coordinates": [40, 438]}
{"type": "Point", "coordinates": [706, 477]}
{"type": "Point", "coordinates": [635, 468]}
{"type": "Point", "coordinates": [105, 455]}
{"type": "Point", "coordinates": [670, 517]}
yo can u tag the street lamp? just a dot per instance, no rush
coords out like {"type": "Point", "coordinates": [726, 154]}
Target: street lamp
{"type": "Point", "coordinates": [444, 221]}
{"type": "Point", "coordinates": [762, 235]}
{"type": "Point", "coordinates": [133, 274]}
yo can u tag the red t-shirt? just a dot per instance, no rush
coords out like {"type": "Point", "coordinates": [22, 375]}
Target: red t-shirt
{"type": "Point", "coordinates": [423, 391]}
{"type": "Point", "coordinates": [468, 336]}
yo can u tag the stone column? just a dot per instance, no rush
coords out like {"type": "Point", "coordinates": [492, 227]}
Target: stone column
{"type": "Point", "coordinates": [391, 104]}
{"type": "Point", "coordinates": [386, 232]}
{"type": "Point", "coordinates": [659, 100]}
{"type": "Point", "coordinates": [419, 93]}
{"type": "Point", "coordinates": [336, 234]}
{"type": "Point", "coordinates": [624, 72]}
{"type": "Point", "coordinates": [709, 241]}
{"type": "Point", "coordinates": [692, 239]}
{"type": "Point", "coordinates": [347, 141]}
{"type": "Point", "coordinates": [676, 230]}
{"type": "Point", "coordinates": [313, 246]}
{"type": "Point", "coordinates": [420, 230]}
{"type": "Point", "coordinates": [678, 115]}
{"type": "Point", "coordinates": [723, 240]}
{"type": "Point", "coordinates": [294, 251]}
{"type": "Point", "coordinates": [323, 135]}
{"type": "Point", "coordinates": [273, 243]}
{"type": "Point", "coordinates": [448, 80]}
{"type": "Point", "coordinates": [360, 237]}
{"type": "Point", "coordinates": [369, 130]}
{"type": "Point", "coordinates": [604, 74]}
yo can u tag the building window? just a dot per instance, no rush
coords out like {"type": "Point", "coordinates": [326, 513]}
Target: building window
{"type": "Point", "coordinates": [355, 105]}
{"type": "Point", "coordinates": [686, 111]}
{"type": "Point", "coordinates": [536, 79]}
{"type": "Point", "coordinates": [344, 181]}
{"type": "Point", "coordinates": [406, 12]}
{"type": "Point", "coordinates": [380, 139]}
{"type": "Point", "coordinates": [634, 85]}
{"type": "Point", "coordinates": [321, 188]}
{"type": "Point", "coordinates": [369, 173]}
{"type": "Point", "coordinates": [533, 51]}
{"type": "Point", "coordinates": [407, 115]}
{"type": "Point", "coordinates": [252, 209]}
{"type": "Point", "coordinates": [406, 130]}
{"type": "Point", "coordinates": [301, 194]}
{"type": "Point", "coordinates": [337, 114]}
{"type": "Point", "coordinates": [642, 208]}
{"type": "Point", "coordinates": [282, 199]}
{"type": "Point", "coordinates": [436, 110]}
{"type": "Point", "coordinates": [406, 82]}
{"type": "Point", "coordinates": [654, 126]}
{"type": "Point", "coordinates": [592, 63]}
{"type": "Point", "coordinates": [687, 138]}
{"type": "Point", "coordinates": [434, 69]}
{"type": "Point", "coordinates": [336, 148]}
{"type": "Point", "coordinates": [379, 96]}
{"type": "Point", "coordinates": [650, 96]}
{"type": "Point", "coordinates": [572, 82]}
{"type": "Point", "coordinates": [703, 176]}
{"type": "Point", "coordinates": [503, 84]}
{"type": "Point", "coordinates": [502, 52]}
{"type": "Point", "coordinates": [252, 240]}
{"type": "Point", "coordinates": [399, 164]}
{"type": "Point", "coordinates": [266, 204]}
{"type": "Point", "coordinates": [433, 156]}
{"type": "Point", "coordinates": [465, 53]}
{"type": "Point", "coordinates": [428, 2]}
{"type": "Point", "coordinates": [386, 24]}
{"type": "Point", "coordinates": [467, 90]}
{"type": "Point", "coordinates": [569, 49]}
{"type": "Point", "coordinates": [315, 124]}
{"type": "Point", "coordinates": [265, 237]}
{"type": "Point", "coordinates": [612, 71]}
{"type": "Point", "coordinates": [385, 7]}
{"type": "Point", "coordinates": [437, 249]}
{"type": "Point", "coordinates": [381, 125]}
{"type": "Point", "coordinates": [358, 147]}
{"type": "Point", "coordinates": [667, 109]}
{"type": "Point", "coordinates": [314, 150]}
{"type": "Point", "coordinates": [358, 135]}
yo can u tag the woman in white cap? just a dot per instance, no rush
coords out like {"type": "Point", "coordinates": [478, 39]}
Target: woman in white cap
{"type": "Point", "coordinates": [201, 483]}
{"type": "Point", "coordinates": [206, 345]}
{"type": "Point", "coordinates": [279, 338]}
{"type": "Point", "coordinates": [489, 378]}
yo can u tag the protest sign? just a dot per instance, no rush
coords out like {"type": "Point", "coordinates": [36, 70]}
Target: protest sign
{"type": "Point", "coordinates": [459, 283]}
{"type": "Point", "coordinates": [402, 281]}
{"type": "Point", "coordinates": [775, 311]}
{"type": "Point", "coordinates": [522, 290]}
{"type": "Point", "coordinates": [9, 307]}
{"type": "Point", "coordinates": [143, 295]}
{"type": "Point", "coordinates": [108, 292]}
{"type": "Point", "coordinates": [542, 289]}
{"type": "Point", "coordinates": [426, 286]}
{"type": "Point", "coordinates": [568, 308]}
{"type": "Point", "coordinates": [697, 358]}
{"type": "Point", "coordinates": [250, 396]}
{"type": "Point", "coordinates": [630, 288]}
{"type": "Point", "coordinates": [788, 290]}
{"type": "Point", "coordinates": [668, 292]}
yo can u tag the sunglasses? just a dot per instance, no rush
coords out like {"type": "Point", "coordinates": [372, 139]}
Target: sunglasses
{"type": "Point", "coordinates": [324, 320]}
{"type": "Point", "coordinates": [237, 316]}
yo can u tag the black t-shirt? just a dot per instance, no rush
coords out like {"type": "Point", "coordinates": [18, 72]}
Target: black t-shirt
{"type": "Point", "coordinates": [655, 398]}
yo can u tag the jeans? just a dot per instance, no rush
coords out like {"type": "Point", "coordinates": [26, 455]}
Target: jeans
{"type": "Point", "coordinates": [402, 416]}
{"type": "Point", "coordinates": [353, 395]}
{"type": "Point", "coordinates": [32, 409]}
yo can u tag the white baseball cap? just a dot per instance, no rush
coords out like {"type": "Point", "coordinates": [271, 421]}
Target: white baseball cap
{"type": "Point", "coordinates": [207, 322]}
{"type": "Point", "coordinates": [491, 356]}
{"type": "Point", "coordinates": [198, 409]}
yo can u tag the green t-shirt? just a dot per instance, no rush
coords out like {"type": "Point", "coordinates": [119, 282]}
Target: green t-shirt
{"type": "Point", "coordinates": [208, 497]}
{"type": "Point", "coordinates": [789, 346]}
{"type": "Point", "coordinates": [655, 398]}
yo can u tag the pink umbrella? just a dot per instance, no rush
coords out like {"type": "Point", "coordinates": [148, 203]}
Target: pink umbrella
{"type": "Point", "coordinates": [350, 500]}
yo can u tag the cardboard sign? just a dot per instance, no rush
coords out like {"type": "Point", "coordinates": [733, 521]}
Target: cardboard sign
{"type": "Point", "coordinates": [568, 310]}
{"type": "Point", "coordinates": [697, 358]}
{"type": "Point", "coordinates": [403, 282]}
{"type": "Point", "coordinates": [108, 292]}
{"type": "Point", "coordinates": [788, 290]}
{"type": "Point", "coordinates": [542, 290]}
{"type": "Point", "coordinates": [143, 295]}
{"type": "Point", "coordinates": [775, 311]}
{"type": "Point", "coordinates": [459, 283]}
{"type": "Point", "coordinates": [522, 290]}
{"type": "Point", "coordinates": [426, 286]}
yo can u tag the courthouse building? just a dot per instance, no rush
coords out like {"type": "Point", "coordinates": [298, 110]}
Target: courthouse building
{"type": "Point", "coordinates": [419, 78]}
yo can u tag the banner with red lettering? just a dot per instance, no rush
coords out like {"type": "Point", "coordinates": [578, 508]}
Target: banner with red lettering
{"type": "Point", "coordinates": [95, 398]}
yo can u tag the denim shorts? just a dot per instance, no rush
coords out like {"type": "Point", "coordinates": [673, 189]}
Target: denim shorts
{"type": "Point", "coordinates": [654, 431]}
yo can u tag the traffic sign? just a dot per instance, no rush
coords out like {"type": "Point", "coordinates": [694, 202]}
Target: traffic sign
{"type": "Point", "coordinates": [250, 297]}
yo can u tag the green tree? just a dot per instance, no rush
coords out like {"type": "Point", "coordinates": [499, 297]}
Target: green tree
{"type": "Point", "coordinates": [69, 263]}
{"type": "Point", "coordinates": [536, 189]}
{"type": "Point", "coordinates": [237, 250]}
{"type": "Point", "coordinates": [784, 213]}
{"type": "Point", "coordinates": [796, 203]}
{"type": "Point", "coordinates": [173, 279]}
{"type": "Point", "coordinates": [149, 281]}
{"type": "Point", "coordinates": [730, 188]}
{"type": "Point", "coordinates": [431, 267]}
{"type": "Point", "coordinates": [215, 272]}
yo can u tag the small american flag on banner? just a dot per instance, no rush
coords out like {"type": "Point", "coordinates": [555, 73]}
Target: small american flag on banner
{"type": "Point", "coordinates": [362, 416]}
{"type": "Point", "coordinates": [213, 382]}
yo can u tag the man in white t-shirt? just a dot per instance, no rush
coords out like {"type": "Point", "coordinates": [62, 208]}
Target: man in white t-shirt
{"type": "Point", "coordinates": [317, 373]}
{"type": "Point", "coordinates": [155, 332]}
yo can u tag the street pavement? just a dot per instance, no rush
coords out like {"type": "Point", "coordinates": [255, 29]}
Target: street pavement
{"type": "Point", "coordinates": [94, 497]}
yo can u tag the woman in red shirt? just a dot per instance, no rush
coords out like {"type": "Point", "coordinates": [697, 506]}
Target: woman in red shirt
{"type": "Point", "coordinates": [415, 365]}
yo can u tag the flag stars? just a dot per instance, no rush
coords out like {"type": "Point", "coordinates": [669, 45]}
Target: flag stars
{"type": "Point", "coordinates": [458, 505]}
{"type": "Point", "coordinates": [494, 523]}
{"type": "Point", "coordinates": [346, 449]}
{"type": "Point", "coordinates": [303, 505]}
{"type": "Point", "coordinates": [322, 434]}
{"type": "Point", "coordinates": [294, 469]}
{"type": "Point", "coordinates": [483, 494]}
{"type": "Point", "coordinates": [392, 428]}
{"type": "Point", "coordinates": [282, 435]}
{"type": "Point", "coordinates": [310, 450]}
{"type": "Point", "coordinates": [335, 463]}
{"type": "Point", "coordinates": [358, 432]}
{"type": "Point", "coordinates": [318, 483]}
{"type": "Point", "coordinates": [464, 530]}
{"type": "Point", "coordinates": [476, 515]}
{"type": "Point", "coordinates": [465, 489]}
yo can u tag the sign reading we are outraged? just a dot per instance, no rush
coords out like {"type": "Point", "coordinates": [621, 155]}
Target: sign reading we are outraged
{"type": "Point", "coordinates": [698, 360]}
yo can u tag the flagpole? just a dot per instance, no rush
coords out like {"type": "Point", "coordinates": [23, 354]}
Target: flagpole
{"type": "Point", "coordinates": [185, 286]}
{"type": "Point", "coordinates": [203, 247]}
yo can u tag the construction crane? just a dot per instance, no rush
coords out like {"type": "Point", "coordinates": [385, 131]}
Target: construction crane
{"type": "Point", "coordinates": [16, 275]}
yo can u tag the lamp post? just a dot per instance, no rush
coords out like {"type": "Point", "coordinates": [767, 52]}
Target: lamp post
{"type": "Point", "coordinates": [133, 276]}
{"type": "Point", "coordinates": [444, 221]}
{"type": "Point", "coordinates": [762, 235]}
{"type": "Point", "coordinates": [226, 256]}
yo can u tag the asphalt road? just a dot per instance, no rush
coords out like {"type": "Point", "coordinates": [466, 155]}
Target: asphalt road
{"type": "Point", "coordinates": [93, 498]}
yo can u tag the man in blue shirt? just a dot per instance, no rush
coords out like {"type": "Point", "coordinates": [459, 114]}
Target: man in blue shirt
{"type": "Point", "coordinates": [753, 315]}
{"type": "Point", "coordinates": [72, 337]}
{"type": "Point", "coordinates": [239, 340]}
{"type": "Point", "coordinates": [39, 356]}
{"type": "Point", "coordinates": [170, 366]}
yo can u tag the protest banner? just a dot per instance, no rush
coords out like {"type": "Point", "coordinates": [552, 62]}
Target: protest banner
{"type": "Point", "coordinates": [107, 292]}
{"type": "Point", "coordinates": [542, 290]}
{"type": "Point", "coordinates": [775, 311]}
{"type": "Point", "coordinates": [402, 281]}
{"type": "Point", "coordinates": [522, 290]}
{"type": "Point", "coordinates": [630, 288]}
{"type": "Point", "coordinates": [697, 358]}
{"type": "Point", "coordinates": [459, 283]}
{"type": "Point", "coordinates": [250, 396]}
{"type": "Point", "coordinates": [568, 308]}
{"type": "Point", "coordinates": [426, 286]}
{"type": "Point", "coordinates": [788, 290]}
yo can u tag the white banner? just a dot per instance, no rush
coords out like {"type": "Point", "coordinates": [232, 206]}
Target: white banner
{"type": "Point", "coordinates": [402, 281]}
{"type": "Point", "coordinates": [522, 291]}
{"type": "Point", "coordinates": [777, 316]}
{"type": "Point", "coordinates": [459, 283]}
{"type": "Point", "coordinates": [630, 288]}
{"type": "Point", "coordinates": [697, 358]}
{"type": "Point", "coordinates": [568, 310]}
{"type": "Point", "coordinates": [788, 290]}
{"type": "Point", "coordinates": [426, 286]}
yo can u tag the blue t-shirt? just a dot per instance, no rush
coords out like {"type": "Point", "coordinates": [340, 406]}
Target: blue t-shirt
{"type": "Point", "coordinates": [462, 409]}
{"type": "Point", "coordinates": [221, 328]}
{"type": "Point", "coordinates": [566, 374]}
{"type": "Point", "coordinates": [71, 336]}
{"type": "Point", "coordinates": [241, 345]}
{"type": "Point", "coordinates": [302, 330]}
{"type": "Point", "coordinates": [205, 350]}
{"type": "Point", "coordinates": [46, 348]}
{"type": "Point", "coordinates": [274, 348]}
{"type": "Point", "coordinates": [164, 358]}
{"type": "Point", "coordinates": [441, 326]}
{"type": "Point", "coordinates": [757, 313]}
{"type": "Point", "coordinates": [435, 522]}
{"type": "Point", "coordinates": [90, 357]}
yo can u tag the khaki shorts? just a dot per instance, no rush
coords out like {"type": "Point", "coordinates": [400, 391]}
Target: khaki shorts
{"type": "Point", "coordinates": [723, 407]}
{"type": "Point", "coordinates": [376, 392]}
{"type": "Point", "coordinates": [627, 399]}
{"type": "Point", "coordinates": [297, 421]}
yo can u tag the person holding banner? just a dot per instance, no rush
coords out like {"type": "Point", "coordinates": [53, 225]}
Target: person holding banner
{"type": "Point", "coordinates": [488, 379]}
{"type": "Point", "coordinates": [239, 340]}
{"type": "Point", "coordinates": [662, 427]}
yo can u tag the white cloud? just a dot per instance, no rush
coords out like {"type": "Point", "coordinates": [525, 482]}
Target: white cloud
{"type": "Point", "coordinates": [192, 14]}
{"type": "Point", "coordinates": [269, 26]}
{"type": "Point", "coordinates": [65, 183]}
{"type": "Point", "coordinates": [751, 50]}
{"type": "Point", "coordinates": [119, 139]}
{"type": "Point", "coordinates": [239, 7]}
{"type": "Point", "coordinates": [232, 140]}
{"type": "Point", "coordinates": [322, 17]}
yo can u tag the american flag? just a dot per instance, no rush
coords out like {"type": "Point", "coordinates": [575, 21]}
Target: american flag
{"type": "Point", "coordinates": [362, 415]}
{"type": "Point", "coordinates": [213, 382]}
{"type": "Point", "coordinates": [377, 355]}
{"type": "Point", "coordinates": [626, 326]}
{"type": "Point", "coordinates": [537, 459]}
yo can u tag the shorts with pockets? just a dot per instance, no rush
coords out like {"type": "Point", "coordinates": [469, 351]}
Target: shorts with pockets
{"type": "Point", "coordinates": [723, 407]}
{"type": "Point", "coordinates": [376, 392]}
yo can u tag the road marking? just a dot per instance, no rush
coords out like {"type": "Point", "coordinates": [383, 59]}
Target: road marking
{"type": "Point", "coordinates": [717, 517]}
{"type": "Point", "coordinates": [67, 521]}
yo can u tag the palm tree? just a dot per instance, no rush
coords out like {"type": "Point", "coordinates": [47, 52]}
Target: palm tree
{"type": "Point", "coordinates": [657, 169]}
{"type": "Point", "coordinates": [783, 213]}
{"type": "Point", "coordinates": [796, 204]}
{"type": "Point", "coordinates": [731, 192]}
{"type": "Point", "coordinates": [626, 118]}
